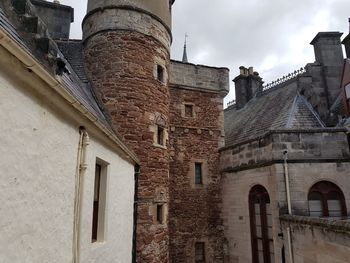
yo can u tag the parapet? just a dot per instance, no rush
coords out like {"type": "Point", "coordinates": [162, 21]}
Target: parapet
{"type": "Point", "coordinates": [199, 77]}
{"type": "Point", "coordinates": [159, 8]}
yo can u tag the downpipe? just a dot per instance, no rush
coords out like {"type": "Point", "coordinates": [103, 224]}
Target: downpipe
{"type": "Point", "coordinates": [286, 179]}
{"type": "Point", "coordinates": [81, 167]}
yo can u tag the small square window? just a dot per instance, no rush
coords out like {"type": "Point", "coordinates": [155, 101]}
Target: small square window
{"type": "Point", "coordinates": [160, 218]}
{"type": "Point", "coordinates": [188, 111]}
{"type": "Point", "coordinates": [200, 252]}
{"type": "Point", "coordinates": [160, 135]}
{"type": "Point", "coordinates": [160, 73]}
{"type": "Point", "coordinates": [198, 174]}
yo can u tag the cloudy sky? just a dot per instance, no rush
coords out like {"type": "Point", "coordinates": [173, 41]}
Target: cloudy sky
{"type": "Point", "coordinates": [271, 35]}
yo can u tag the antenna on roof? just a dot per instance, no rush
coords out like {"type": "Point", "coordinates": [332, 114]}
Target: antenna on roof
{"type": "Point", "coordinates": [349, 25]}
{"type": "Point", "coordinates": [184, 56]}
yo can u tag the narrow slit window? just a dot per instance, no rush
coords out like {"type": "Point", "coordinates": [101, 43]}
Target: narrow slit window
{"type": "Point", "coordinates": [160, 135]}
{"type": "Point", "coordinates": [99, 205]}
{"type": "Point", "coordinates": [160, 219]}
{"type": "Point", "coordinates": [96, 202]}
{"type": "Point", "coordinates": [198, 174]}
{"type": "Point", "coordinates": [160, 73]}
{"type": "Point", "coordinates": [200, 252]}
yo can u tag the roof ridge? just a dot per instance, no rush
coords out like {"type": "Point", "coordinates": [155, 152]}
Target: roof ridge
{"type": "Point", "coordinates": [292, 112]}
{"type": "Point", "coordinates": [311, 109]}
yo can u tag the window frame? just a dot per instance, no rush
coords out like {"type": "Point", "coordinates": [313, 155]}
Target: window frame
{"type": "Point", "coordinates": [325, 189]}
{"type": "Point", "coordinates": [259, 195]}
{"type": "Point", "coordinates": [200, 166]}
{"type": "Point", "coordinates": [99, 211]}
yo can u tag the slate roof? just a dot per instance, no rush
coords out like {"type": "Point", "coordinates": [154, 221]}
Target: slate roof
{"type": "Point", "coordinates": [74, 82]}
{"type": "Point", "coordinates": [73, 52]}
{"type": "Point", "coordinates": [281, 107]}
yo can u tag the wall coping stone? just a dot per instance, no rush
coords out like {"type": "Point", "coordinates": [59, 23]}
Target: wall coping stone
{"type": "Point", "coordinates": [336, 225]}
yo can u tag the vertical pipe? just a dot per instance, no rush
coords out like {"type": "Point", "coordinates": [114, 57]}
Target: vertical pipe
{"type": "Point", "coordinates": [80, 171]}
{"type": "Point", "coordinates": [286, 178]}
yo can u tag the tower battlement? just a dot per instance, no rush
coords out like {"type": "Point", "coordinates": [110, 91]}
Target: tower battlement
{"type": "Point", "coordinates": [199, 77]}
{"type": "Point", "coordinates": [151, 18]}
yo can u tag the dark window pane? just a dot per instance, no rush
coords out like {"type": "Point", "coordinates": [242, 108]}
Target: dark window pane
{"type": "Point", "coordinates": [198, 173]}
{"type": "Point", "coordinates": [160, 135]}
{"type": "Point", "coordinates": [96, 202]}
{"type": "Point", "coordinates": [160, 214]}
{"type": "Point", "coordinates": [188, 111]}
{"type": "Point", "coordinates": [199, 252]}
{"type": "Point", "coordinates": [160, 73]}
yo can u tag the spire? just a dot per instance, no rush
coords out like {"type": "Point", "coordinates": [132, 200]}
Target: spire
{"type": "Point", "coordinates": [184, 56]}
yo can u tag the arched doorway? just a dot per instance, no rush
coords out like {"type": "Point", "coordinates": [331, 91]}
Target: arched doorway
{"type": "Point", "coordinates": [261, 225]}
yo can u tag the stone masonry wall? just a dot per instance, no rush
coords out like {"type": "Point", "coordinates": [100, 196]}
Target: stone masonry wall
{"type": "Point", "coordinates": [317, 240]}
{"type": "Point", "coordinates": [126, 83]}
{"type": "Point", "coordinates": [195, 210]}
{"type": "Point", "coordinates": [312, 157]}
{"type": "Point", "coordinates": [301, 145]}
{"type": "Point", "coordinates": [199, 77]}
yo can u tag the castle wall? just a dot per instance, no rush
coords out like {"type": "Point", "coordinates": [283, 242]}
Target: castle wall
{"type": "Point", "coordinates": [194, 213]}
{"type": "Point", "coordinates": [127, 58]}
{"type": "Point", "coordinates": [317, 241]}
{"type": "Point", "coordinates": [199, 77]}
{"type": "Point", "coordinates": [39, 146]}
{"type": "Point", "coordinates": [236, 187]}
{"type": "Point", "coordinates": [312, 157]}
{"type": "Point", "coordinates": [158, 8]}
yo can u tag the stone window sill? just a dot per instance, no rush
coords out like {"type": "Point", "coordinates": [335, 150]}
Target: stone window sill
{"type": "Point", "coordinates": [159, 146]}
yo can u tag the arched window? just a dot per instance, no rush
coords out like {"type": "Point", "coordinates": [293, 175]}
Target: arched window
{"type": "Point", "coordinates": [326, 200]}
{"type": "Point", "coordinates": [261, 225]}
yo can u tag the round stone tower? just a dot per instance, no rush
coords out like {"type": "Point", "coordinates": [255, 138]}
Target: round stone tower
{"type": "Point", "coordinates": [127, 57]}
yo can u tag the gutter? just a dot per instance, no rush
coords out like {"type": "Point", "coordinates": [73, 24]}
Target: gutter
{"type": "Point", "coordinates": [32, 64]}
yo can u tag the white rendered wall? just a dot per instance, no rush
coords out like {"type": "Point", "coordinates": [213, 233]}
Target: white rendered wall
{"type": "Point", "coordinates": [39, 137]}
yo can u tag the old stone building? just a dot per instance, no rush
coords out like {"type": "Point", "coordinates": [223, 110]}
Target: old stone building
{"type": "Point", "coordinates": [286, 163]}
{"type": "Point", "coordinates": [265, 180]}
{"type": "Point", "coordinates": [67, 178]}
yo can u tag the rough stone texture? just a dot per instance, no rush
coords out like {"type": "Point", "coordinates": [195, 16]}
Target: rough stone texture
{"type": "Point", "coordinates": [314, 144]}
{"type": "Point", "coordinates": [316, 240]}
{"type": "Point", "coordinates": [134, 99]}
{"type": "Point", "coordinates": [158, 8]}
{"type": "Point", "coordinates": [195, 210]}
{"type": "Point", "coordinates": [123, 19]}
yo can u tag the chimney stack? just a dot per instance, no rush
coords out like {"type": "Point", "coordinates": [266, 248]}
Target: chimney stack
{"type": "Point", "coordinates": [247, 84]}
